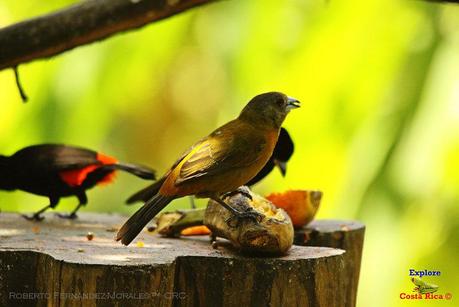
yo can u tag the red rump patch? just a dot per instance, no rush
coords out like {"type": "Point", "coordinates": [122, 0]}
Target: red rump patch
{"type": "Point", "coordinates": [76, 177]}
{"type": "Point", "coordinates": [106, 159]}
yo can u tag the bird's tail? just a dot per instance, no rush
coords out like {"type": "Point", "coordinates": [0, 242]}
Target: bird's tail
{"type": "Point", "coordinates": [146, 193]}
{"type": "Point", "coordinates": [137, 222]}
{"type": "Point", "coordinates": [135, 169]}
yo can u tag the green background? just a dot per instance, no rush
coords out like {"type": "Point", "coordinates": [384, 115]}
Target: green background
{"type": "Point", "coordinates": [378, 131]}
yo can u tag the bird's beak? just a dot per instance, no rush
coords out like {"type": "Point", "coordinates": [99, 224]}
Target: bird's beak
{"type": "Point", "coordinates": [282, 166]}
{"type": "Point", "coordinates": [292, 103]}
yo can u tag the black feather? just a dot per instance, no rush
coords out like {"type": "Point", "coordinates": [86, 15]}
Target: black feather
{"type": "Point", "coordinates": [146, 193]}
{"type": "Point", "coordinates": [7, 179]}
{"type": "Point", "coordinates": [137, 222]}
{"type": "Point", "coordinates": [140, 171]}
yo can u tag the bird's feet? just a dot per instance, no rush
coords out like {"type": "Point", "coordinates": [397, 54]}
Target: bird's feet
{"type": "Point", "coordinates": [241, 190]}
{"type": "Point", "coordinates": [70, 216]}
{"type": "Point", "coordinates": [37, 217]}
{"type": "Point", "coordinates": [235, 220]}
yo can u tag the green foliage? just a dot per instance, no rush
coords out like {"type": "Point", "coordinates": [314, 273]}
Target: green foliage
{"type": "Point", "coordinates": [378, 131]}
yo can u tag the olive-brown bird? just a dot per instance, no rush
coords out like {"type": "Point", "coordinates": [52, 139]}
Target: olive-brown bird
{"type": "Point", "coordinates": [281, 155]}
{"type": "Point", "coordinates": [219, 163]}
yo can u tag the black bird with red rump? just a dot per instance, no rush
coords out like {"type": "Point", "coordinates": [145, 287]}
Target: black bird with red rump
{"type": "Point", "coordinates": [56, 171]}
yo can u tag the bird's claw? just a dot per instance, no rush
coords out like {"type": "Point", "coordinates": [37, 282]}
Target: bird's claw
{"type": "Point", "coordinates": [241, 191]}
{"type": "Point", "coordinates": [34, 217]}
{"type": "Point", "coordinates": [235, 220]}
{"type": "Point", "coordinates": [70, 216]}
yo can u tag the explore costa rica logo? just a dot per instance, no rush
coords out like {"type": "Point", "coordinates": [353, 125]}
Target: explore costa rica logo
{"type": "Point", "coordinates": [423, 289]}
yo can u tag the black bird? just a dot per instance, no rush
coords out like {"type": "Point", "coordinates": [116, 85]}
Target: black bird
{"type": "Point", "coordinates": [56, 171]}
{"type": "Point", "coordinates": [281, 154]}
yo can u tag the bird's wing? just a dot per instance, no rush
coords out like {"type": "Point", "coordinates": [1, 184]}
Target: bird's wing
{"type": "Point", "coordinates": [53, 157]}
{"type": "Point", "coordinates": [150, 191]}
{"type": "Point", "coordinates": [67, 158]}
{"type": "Point", "coordinates": [226, 148]}
{"type": "Point", "coordinates": [186, 153]}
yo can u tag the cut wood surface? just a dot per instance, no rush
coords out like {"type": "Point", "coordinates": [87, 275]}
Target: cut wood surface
{"type": "Point", "coordinates": [53, 263]}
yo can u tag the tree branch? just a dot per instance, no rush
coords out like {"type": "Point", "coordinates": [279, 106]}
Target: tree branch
{"type": "Point", "coordinates": [445, 1]}
{"type": "Point", "coordinates": [81, 24]}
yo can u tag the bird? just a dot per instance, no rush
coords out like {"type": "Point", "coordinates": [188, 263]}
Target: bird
{"type": "Point", "coordinates": [218, 164]}
{"type": "Point", "coordinates": [58, 170]}
{"type": "Point", "coordinates": [281, 155]}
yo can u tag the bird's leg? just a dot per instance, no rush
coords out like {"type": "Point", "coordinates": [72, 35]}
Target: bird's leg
{"type": "Point", "coordinates": [37, 215]}
{"type": "Point", "coordinates": [83, 199]}
{"type": "Point", "coordinates": [241, 190]}
{"type": "Point", "coordinates": [213, 240]}
{"type": "Point", "coordinates": [192, 203]}
{"type": "Point", "coordinates": [238, 216]}
{"type": "Point", "coordinates": [72, 215]}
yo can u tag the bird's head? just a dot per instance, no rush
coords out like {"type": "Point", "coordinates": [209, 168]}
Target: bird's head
{"type": "Point", "coordinates": [268, 109]}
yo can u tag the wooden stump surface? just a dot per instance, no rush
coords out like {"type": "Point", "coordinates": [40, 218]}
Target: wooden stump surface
{"type": "Point", "coordinates": [53, 263]}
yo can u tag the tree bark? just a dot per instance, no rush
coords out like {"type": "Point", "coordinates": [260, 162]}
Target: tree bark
{"type": "Point", "coordinates": [346, 235]}
{"type": "Point", "coordinates": [445, 1]}
{"type": "Point", "coordinates": [84, 23]}
{"type": "Point", "coordinates": [81, 24]}
{"type": "Point", "coordinates": [53, 263]}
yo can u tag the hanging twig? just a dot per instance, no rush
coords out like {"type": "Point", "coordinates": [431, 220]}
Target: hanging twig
{"type": "Point", "coordinates": [19, 85]}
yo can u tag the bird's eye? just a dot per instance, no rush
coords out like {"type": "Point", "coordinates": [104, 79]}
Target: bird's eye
{"type": "Point", "coordinates": [280, 102]}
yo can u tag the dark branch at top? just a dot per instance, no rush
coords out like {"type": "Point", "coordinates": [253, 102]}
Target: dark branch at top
{"type": "Point", "coordinates": [445, 1]}
{"type": "Point", "coordinates": [81, 24]}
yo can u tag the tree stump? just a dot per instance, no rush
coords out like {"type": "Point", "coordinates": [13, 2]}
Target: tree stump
{"type": "Point", "coordinates": [346, 235]}
{"type": "Point", "coordinates": [54, 263]}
